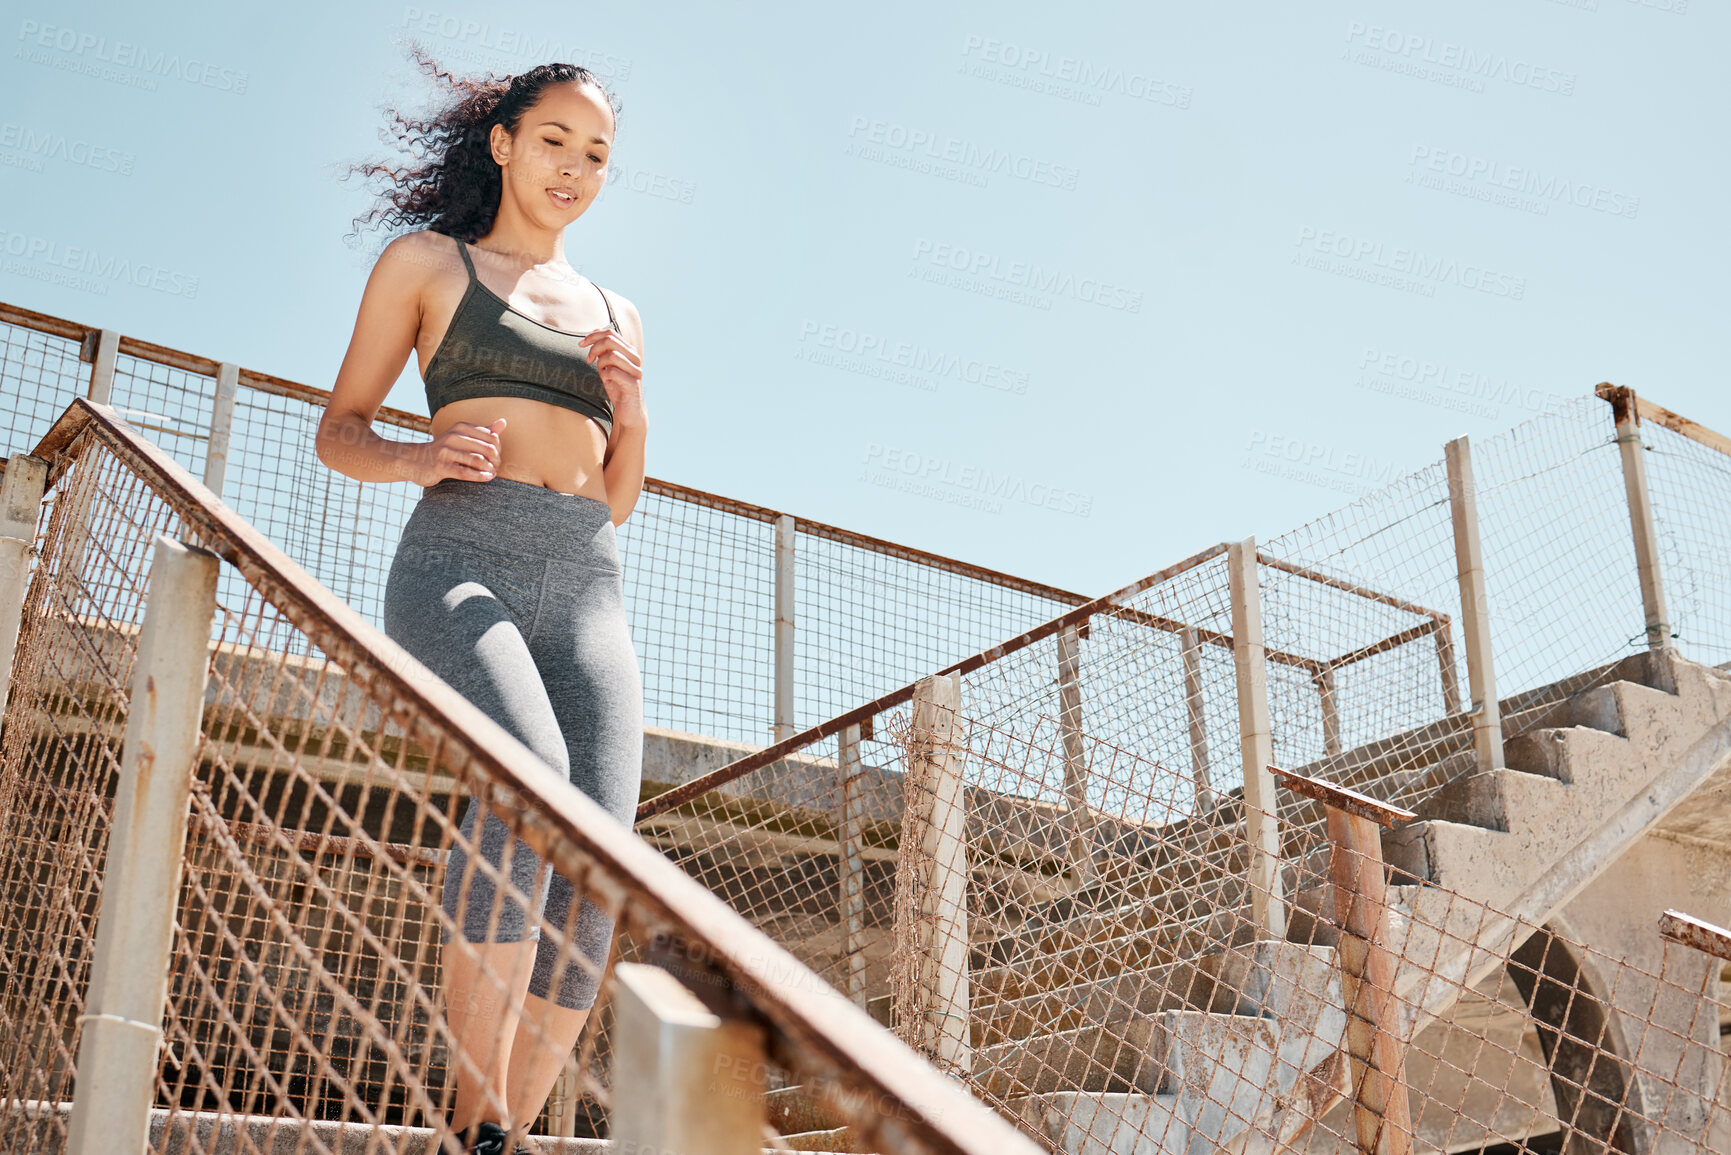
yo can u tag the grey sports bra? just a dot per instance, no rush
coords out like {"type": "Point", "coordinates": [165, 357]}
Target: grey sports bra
{"type": "Point", "coordinates": [492, 350]}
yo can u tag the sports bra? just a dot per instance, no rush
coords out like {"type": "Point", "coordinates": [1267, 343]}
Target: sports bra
{"type": "Point", "coordinates": [492, 350]}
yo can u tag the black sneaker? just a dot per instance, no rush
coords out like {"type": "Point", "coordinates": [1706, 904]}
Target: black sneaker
{"type": "Point", "coordinates": [489, 1139]}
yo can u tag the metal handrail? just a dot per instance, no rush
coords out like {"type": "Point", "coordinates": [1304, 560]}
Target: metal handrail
{"type": "Point", "coordinates": [564, 826]}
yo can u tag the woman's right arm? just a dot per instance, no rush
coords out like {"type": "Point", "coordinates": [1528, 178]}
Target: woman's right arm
{"type": "Point", "coordinates": [386, 326]}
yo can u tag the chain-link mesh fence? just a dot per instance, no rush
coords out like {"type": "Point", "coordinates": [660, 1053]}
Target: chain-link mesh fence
{"type": "Point", "coordinates": [1146, 1000]}
{"type": "Point", "coordinates": [316, 982]}
{"type": "Point", "coordinates": [700, 569]}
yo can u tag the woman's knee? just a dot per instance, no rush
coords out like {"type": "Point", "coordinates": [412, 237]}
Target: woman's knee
{"type": "Point", "coordinates": [567, 969]}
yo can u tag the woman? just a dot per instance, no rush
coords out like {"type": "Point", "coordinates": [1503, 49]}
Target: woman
{"type": "Point", "coordinates": [506, 582]}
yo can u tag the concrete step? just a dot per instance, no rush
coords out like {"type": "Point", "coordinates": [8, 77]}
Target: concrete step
{"type": "Point", "coordinates": [225, 1133]}
{"type": "Point", "coordinates": [1439, 852]}
{"type": "Point", "coordinates": [1223, 1078]}
{"type": "Point", "coordinates": [1492, 799]}
{"type": "Point", "coordinates": [1626, 709]}
{"type": "Point", "coordinates": [1078, 1004]}
{"type": "Point", "coordinates": [1110, 1123]}
{"type": "Point", "coordinates": [1043, 932]}
{"type": "Point", "coordinates": [1561, 752]}
{"type": "Point", "coordinates": [1090, 962]}
{"type": "Point", "coordinates": [1124, 1054]}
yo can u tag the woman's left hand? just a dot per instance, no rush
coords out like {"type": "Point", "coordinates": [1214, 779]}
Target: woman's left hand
{"type": "Point", "coordinates": [621, 372]}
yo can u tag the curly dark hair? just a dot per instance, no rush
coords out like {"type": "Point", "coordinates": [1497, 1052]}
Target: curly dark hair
{"type": "Point", "coordinates": [453, 186]}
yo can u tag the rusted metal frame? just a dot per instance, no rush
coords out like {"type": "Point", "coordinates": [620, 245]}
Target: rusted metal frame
{"type": "Point", "coordinates": [1341, 798]}
{"type": "Point", "coordinates": [1382, 1120]}
{"type": "Point", "coordinates": [1624, 401]}
{"type": "Point", "coordinates": [1214, 638]}
{"type": "Point", "coordinates": [1381, 1115]}
{"type": "Point", "coordinates": [1349, 587]}
{"type": "Point", "coordinates": [403, 419]}
{"type": "Point", "coordinates": [319, 843]}
{"type": "Point", "coordinates": [769, 755]}
{"type": "Point", "coordinates": [566, 827]}
{"type": "Point", "coordinates": [1391, 642]}
{"type": "Point", "coordinates": [43, 322]}
{"type": "Point", "coordinates": [1697, 933]}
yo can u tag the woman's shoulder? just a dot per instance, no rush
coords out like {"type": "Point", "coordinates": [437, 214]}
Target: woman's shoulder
{"type": "Point", "coordinates": [622, 305]}
{"type": "Point", "coordinates": [423, 249]}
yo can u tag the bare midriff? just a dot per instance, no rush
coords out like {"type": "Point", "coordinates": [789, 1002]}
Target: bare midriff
{"type": "Point", "coordinates": [542, 444]}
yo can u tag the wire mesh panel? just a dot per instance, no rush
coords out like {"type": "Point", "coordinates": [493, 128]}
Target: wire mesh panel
{"type": "Point", "coordinates": [171, 406]}
{"type": "Point", "coordinates": [700, 571]}
{"type": "Point", "coordinates": [700, 597]}
{"type": "Point", "coordinates": [869, 622]}
{"type": "Point", "coordinates": [343, 531]}
{"type": "Point", "coordinates": [40, 374]}
{"type": "Point", "coordinates": [1125, 987]}
{"type": "Point", "coordinates": [381, 893]}
{"type": "Point", "coordinates": [1559, 556]}
{"type": "Point", "coordinates": [1691, 487]}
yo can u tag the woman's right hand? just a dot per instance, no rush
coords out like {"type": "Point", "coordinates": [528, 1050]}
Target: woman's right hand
{"type": "Point", "coordinates": [466, 451]}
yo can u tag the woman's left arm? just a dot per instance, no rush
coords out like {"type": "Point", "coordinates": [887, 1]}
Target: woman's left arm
{"type": "Point", "coordinates": [620, 361]}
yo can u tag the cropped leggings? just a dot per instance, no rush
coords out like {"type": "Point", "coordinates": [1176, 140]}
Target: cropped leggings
{"type": "Point", "coordinates": [513, 594]}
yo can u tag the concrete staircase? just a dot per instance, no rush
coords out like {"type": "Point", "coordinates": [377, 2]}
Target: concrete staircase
{"type": "Point", "coordinates": [1135, 1031]}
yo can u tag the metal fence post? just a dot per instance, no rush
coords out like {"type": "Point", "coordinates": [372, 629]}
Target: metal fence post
{"type": "Point", "coordinates": [122, 1023]}
{"type": "Point", "coordinates": [1626, 409]}
{"type": "Point", "coordinates": [221, 425]}
{"type": "Point", "coordinates": [102, 374]}
{"type": "Point", "coordinates": [1381, 1119]}
{"type": "Point", "coordinates": [785, 528]}
{"type": "Point", "coordinates": [1475, 611]}
{"type": "Point", "coordinates": [1256, 741]}
{"type": "Point", "coordinates": [684, 1078]}
{"type": "Point", "coordinates": [852, 860]}
{"type": "Point", "coordinates": [1076, 815]}
{"type": "Point", "coordinates": [1330, 711]}
{"type": "Point", "coordinates": [1447, 674]}
{"type": "Point", "coordinates": [20, 506]}
{"type": "Point", "coordinates": [1190, 642]}
{"type": "Point", "coordinates": [934, 859]}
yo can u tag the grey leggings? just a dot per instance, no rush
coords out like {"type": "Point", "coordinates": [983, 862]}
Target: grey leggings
{"type": "Point", "coordinates": [512, 593]}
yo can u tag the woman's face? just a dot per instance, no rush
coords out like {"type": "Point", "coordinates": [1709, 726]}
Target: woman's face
{"type": "Point", "coordinates": [556, 164]}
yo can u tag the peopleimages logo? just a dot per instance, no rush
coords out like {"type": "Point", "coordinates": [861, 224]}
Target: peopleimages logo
{"type": "Point", "coordinates": [917, 147]}
{"type": "Point", "coordinates": [1437, 383]}
{"type": "Point", "coordinates": [90, 262]}
{"type": "Point", "coordinates": [1546, 188]}
{"type": "Point", "coordinates": [85, 48]}
{"type": "Point", "coordinates": [508, 41]}
{"type": "Point", "coordinates": [986, 268]}
{"type": "Point", "coordinates": [40, 145]}
{"type": "Point", "coordinates": [1069, 77]}
{"type": "Point", "coordinates": [836, 345]}
{"type": "Point", "coordinates": [1313, 463]}
{"type": "Point", "coordinates": [1408, 265]}
{"type": "Point", "coordinates": [1398, 51]}
{"type": "Point", "coordinates": [972, 485]}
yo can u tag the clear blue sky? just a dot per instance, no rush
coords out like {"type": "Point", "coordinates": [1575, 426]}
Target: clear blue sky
{"type": "Point", "coordinates": [1035, 289]}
